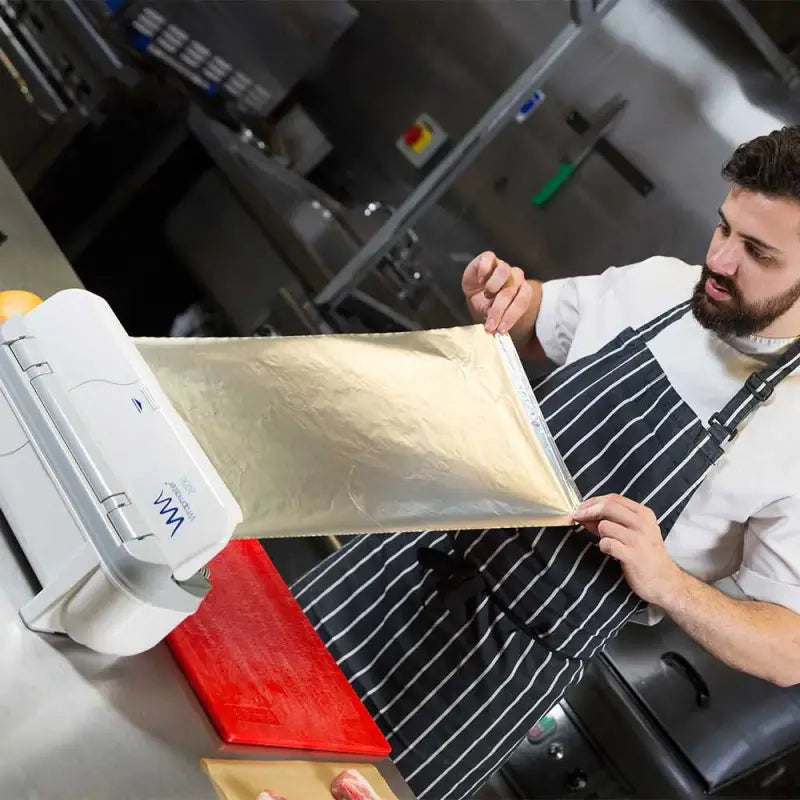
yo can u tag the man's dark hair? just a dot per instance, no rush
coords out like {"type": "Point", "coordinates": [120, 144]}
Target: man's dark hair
{"type": "Point", "coordinates": [768, 164]}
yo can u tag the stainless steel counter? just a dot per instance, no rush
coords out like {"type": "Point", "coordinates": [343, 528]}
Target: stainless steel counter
{"type": "Point", "coordinates": [29, 258]}
{"type": "Point", "coordinates": [75, 725]}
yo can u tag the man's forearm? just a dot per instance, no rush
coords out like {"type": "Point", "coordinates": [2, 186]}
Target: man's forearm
{"type": "Point", "coordinates": [755, 637]}
{"type": "Point", "coordinates": [760, 638]}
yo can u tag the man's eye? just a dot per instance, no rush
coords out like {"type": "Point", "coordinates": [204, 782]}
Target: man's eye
{"type": "Point", "coordinates": [757, 254]}
{"type": "Point", "coordinates": [724, 229]}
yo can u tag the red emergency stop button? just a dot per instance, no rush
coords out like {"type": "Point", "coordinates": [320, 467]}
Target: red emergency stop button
{"type": "Point", "coordinates": [413, 134]}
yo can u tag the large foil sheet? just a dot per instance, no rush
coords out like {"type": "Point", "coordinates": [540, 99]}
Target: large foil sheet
{"type": "Point", "coordinates": [373, 433]}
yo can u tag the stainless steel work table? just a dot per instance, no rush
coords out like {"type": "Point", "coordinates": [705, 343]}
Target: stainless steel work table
{"type": "Point", "coordinates": [75, 725]}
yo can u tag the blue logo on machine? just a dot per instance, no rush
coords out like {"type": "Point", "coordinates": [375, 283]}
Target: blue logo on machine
{"type": "Point", "coordinates": [138, 403]}
{"type": "Point", "coordinates": [168, 509]}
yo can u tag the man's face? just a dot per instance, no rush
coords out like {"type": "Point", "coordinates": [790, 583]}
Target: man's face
{"type": "Point", "coordinates": [751, 276]}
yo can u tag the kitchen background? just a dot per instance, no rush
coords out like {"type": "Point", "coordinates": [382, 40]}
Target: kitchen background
{"type": "Point", "coordinates": [695, 86]}
{"type": "Point", "coordinates": [193, 215]}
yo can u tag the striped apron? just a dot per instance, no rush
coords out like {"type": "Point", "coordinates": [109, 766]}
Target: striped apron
{"type": "Point", "coordinates": [459, 642]}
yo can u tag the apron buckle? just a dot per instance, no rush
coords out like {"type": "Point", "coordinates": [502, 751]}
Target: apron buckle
{"type": "Point", "coordinates": [761, 393]}
{"type": "Point", "coordinates": [718, 431]}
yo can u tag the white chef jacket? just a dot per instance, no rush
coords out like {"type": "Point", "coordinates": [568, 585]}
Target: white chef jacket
{"type": "Point", "coordinates": [744, 520]}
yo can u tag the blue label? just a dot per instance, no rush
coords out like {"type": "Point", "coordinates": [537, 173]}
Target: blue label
{"type": "Point", "coordinates": [529, 105]}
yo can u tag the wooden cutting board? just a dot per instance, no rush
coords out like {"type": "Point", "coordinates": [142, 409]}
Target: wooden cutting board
{"type": "Point", "coordinates": [295, 780]}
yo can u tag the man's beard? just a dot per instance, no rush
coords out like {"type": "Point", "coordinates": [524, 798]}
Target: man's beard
{"type": "Point", "coordinates": [735, 317]}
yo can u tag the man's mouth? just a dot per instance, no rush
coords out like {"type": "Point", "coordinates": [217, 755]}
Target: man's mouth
{"type": "Point", "coordinates": [716, 291]}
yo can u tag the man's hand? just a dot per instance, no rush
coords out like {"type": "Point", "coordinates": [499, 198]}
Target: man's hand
{"type": "Point", "coordinates": [756, 637]}
{"type": "Point", "coordinates": [497, 294]}
{"type": "Point", "coordinates": [629, 532]}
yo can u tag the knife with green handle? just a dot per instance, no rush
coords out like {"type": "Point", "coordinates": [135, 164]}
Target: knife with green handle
{"type": "Point", "coordinates": [554, 184]}
{"type": "Point", "coordinates": [604, 120]}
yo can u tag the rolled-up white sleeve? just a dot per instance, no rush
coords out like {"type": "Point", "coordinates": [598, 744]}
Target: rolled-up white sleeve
{"type": "Point", "coordinates": [770, 569]}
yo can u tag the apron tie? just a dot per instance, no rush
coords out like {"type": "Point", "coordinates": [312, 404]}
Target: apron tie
{"type": "Point", "coordinates": [458, 581]}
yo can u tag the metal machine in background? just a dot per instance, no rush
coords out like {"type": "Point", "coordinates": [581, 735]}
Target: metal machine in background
{"type": "Point", "coordinates": [261, 240]}
{"type": "Point", "coordinates": [247, 54]}
{"type": "Point", "coordinates": [346, 268]}
{"type": "Point", "coordinates": [85, 64]}
{"type": "Point", "coordinates": [237, 62]}
{"type": "Point", "coordinates": [73, 60]}
{"type": "Point", "coordinates": [251, 54]}
{"type": "Point", "coordinates": [60, 59]}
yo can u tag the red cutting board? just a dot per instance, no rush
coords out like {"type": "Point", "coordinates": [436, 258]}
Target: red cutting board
{"type": "Point", "coordinates": [260, 670]}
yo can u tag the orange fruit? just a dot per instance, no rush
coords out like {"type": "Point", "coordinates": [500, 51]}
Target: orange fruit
{"type": "Point", "coordinates": [15, 302]}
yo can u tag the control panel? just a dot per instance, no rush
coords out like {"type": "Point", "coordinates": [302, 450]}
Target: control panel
{"type": "Point", "coordinates": [557, 759]}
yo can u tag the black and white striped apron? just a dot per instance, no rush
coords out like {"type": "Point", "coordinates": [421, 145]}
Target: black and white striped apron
{"type": "Point", "coordinates": [459, 642]}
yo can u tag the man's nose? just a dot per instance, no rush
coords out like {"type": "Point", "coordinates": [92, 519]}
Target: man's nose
{"type": "Point", "coordinates": [723, 259]}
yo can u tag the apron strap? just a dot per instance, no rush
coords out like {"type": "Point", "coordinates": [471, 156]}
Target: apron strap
{"type": "Point", "coordinates": [757, 389]}
{"type": "Point", "coordinates": [651, 329]}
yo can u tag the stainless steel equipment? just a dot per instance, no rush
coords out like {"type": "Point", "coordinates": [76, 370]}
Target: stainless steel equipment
{"type": "Point", "coordinates": [656, 716]}
{"type": "Point", "coordinates": [250, 53]}
{"type": "Point", "coordinates": [253, 228]}
{"type": "Point", "coordinates": [82, 63]}
{"type": "Point", "coordinates": [723, 724]}
{"type": "Point", "coordinates": [58, 56]}
{"type": "Point", "coordinates": [586, 14]}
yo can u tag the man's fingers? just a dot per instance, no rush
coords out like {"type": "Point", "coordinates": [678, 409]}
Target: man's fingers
{"type": "Point", "coordinates": [476, 273]}
{"type": "Point", "coordinates": [621, 499]}
{"type": "Point", "coordinates": [496, 292]}
{"type": "Point", "coordinates": [613, 548]}
{"type": "Point", "coordinates": [481, 304]}
{"type": "Point", "coordinates": [613, 530]}
{"type": "Point", "coordinates": [498, 279]}
{"type": "Point", "coordinates": [485, 267]}
{"type": "Point", "coordinates": [516, 310]}
{"type": "Point", "coordinates": [608, 508]}
{"type": "Point", "coordinates": [499, 307]}
{"type": "Point", "coordinates": [479, 270]}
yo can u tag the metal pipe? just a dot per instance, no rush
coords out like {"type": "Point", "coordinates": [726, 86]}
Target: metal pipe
{"type": "Point", "coordinates": [400, 320]}
{"type": "Point", "coordinates": [774, 56]}
{"type": "Point", "coordinates": [445, 174]}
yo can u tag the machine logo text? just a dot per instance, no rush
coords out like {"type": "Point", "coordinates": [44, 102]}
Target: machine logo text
{"type": "Point", "coordinates": [168, 509]}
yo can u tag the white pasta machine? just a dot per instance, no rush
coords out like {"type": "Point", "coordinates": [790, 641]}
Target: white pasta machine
{"type": "Point", "coordinates": [113, 502]}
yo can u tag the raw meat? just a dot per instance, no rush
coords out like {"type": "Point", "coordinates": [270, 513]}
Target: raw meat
{"type": "Point", "coordinates": [269, 796]}
{"type": "Point", "coordinates": [352, 785]}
